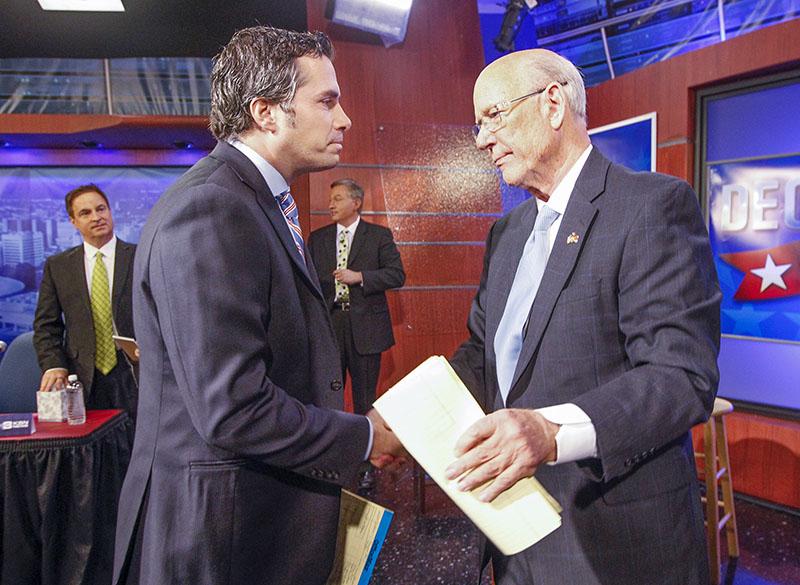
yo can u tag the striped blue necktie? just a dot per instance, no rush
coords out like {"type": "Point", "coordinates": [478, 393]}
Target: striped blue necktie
{"type": "Point", "coordinates": [289, 209]}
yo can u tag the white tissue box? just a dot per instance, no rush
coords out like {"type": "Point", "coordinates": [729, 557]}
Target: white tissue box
{"type": "Point", "coordinates": [52, 406]}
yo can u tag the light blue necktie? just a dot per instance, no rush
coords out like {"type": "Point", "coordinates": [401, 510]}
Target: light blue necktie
{"type": "Point", "coordinates": [289, 209]}
{"type": "Point", "coordinates": [510, 332]}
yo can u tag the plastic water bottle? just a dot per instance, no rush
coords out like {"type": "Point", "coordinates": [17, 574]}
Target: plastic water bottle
{"type": "Point", "coordinates": [76, 411]}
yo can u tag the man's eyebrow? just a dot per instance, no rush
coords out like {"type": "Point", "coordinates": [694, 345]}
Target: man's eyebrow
{"type": "Point", "coordinates": [487, 109]}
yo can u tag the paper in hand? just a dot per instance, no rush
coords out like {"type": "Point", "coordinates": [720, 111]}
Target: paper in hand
{"type": "Point", "coordinates": [128, 345]}
{"type": "Point", "coordinates": [429, 410]}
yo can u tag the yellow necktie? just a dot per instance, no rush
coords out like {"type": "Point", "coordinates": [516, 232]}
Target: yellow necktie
{"type": "Point", "coordinates": [105, 357]}
{"type": "Point", "coordinates": [342, 290]}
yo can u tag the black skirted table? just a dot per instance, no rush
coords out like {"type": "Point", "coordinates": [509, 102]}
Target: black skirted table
{"type": "Point", "coordinates": [58, 504]}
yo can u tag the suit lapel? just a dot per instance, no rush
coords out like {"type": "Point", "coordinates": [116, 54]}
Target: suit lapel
{"type": "Point", "coordinates": [327, 263]}
{"type": "Point", "coordinates": [578, 219]}
{"type": "Point", "coordinates": [250, 176]}
{"type": "Point", "coordinates": [358, 241]}
{"type": "Point", "coordinates": [78, 267]}
{"type": "Point", "coordinates": [122, 264]}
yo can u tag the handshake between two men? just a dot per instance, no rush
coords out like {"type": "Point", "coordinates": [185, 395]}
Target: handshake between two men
{"type": "Point", "coordinates": [498, 449]}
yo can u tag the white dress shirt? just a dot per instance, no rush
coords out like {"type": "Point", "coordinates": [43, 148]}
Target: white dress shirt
{"type": "Point", "coordinates": [577, 438]}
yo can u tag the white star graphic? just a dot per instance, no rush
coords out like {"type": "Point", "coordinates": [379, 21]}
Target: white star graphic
{"type": "Point", "coordinates": [771, 274]}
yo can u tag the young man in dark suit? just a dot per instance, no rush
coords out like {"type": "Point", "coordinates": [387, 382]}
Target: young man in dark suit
{"type": "Point", "coordinates": [357, 262]}
{"type": "Point", "coordinates": [594, 338]}
{"type": "Point", "coordinates": [84, 298]}
{"type": "Point", "coordinates": [242, 446]}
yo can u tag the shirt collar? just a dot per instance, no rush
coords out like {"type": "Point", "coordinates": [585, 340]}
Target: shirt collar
{"type": "Point", "coordinates": [351, 228]}
{"type": "Point", "coordinates": [560, 196]}
{"type": "Point", "coordinates": [275, 181]}
{"type": "Point", "coordinates": [107, 249]}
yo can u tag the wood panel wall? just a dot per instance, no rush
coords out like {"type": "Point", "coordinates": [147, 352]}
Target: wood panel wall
{"type": "Point", "coordinates": [411, 149]}
{"type": "Point", "coordinates": [765, 451]}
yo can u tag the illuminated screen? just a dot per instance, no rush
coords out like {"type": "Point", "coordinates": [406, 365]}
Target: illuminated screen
{"type": "Point", "coordinates": [750, 183]}
{"type": "Point", "coordinates": [630, 143]}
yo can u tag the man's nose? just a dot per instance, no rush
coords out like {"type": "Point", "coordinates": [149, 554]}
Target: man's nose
{"type": "Point", "coordinates": [341, 120]}
{"type": "Point", "coordinates": [484, 139]}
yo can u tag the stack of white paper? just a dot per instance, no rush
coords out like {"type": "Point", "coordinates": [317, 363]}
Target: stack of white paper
{"type": "Point", "coordinates": [428, 410]}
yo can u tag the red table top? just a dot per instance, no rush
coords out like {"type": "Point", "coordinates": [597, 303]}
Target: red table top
{"type": "Point", "coordinates": [54, 430]}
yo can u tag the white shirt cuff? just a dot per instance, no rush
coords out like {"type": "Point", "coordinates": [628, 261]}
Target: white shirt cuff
{"type": "Point", "coordinates": [371, 436]}
{"type": "Point", "coordinates": [577, 438]}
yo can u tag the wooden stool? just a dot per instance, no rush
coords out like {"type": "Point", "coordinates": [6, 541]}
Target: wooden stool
{"type": "Point", "coordinates": [718, 478]}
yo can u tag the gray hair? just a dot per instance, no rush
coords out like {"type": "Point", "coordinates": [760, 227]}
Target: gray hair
{"type": "Point", "coordinates": [353, 189]}
{"type": "Point", "coordinates": [258, 62]}
{"type": "Point", "coordinates": [551, 66]}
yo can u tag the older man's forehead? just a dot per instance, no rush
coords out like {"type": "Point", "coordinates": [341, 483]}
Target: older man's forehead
{"type": "Point", "coordinates": [489, 90]}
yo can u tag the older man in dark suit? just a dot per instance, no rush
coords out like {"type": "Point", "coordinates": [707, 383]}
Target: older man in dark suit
{"type": "Point", "coordinates": [594, 337]}
{"type": "Point", "coordinates": [241, 446]}
{"type": "Point", "coordinates": [84, 298]}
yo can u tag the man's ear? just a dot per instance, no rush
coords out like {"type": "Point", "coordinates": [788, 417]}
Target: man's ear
{"type": "Point", "coordinates": [264, 114]}
{"type": "Point", "coordinates": [557, 105]}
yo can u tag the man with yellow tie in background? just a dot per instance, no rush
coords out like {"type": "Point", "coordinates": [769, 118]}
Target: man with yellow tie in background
{"type": "Point", "coordinates": [84, 298]}
{"type": "Point", "coordinates": [357, 262]}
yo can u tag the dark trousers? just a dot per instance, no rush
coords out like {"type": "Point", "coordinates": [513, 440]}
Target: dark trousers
{"type": "Point", "coordinates": [364, 368]}
{"type": "Point", "coordinates": [117, 389]}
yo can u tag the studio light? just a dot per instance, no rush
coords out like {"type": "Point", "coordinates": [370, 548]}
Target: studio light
{"type": "Point", "coordinates": [385, 18]}
{"type": "Point", "coordinates": [83, 5]}
{"type": "Point", "coordinates": [516, 11]}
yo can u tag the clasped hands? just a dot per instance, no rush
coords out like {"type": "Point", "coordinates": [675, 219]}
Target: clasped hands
{"type": "Point", "coordinates": [498, 450]}
{"type": "Point", "coordinates": [386, 448]}
{"type": "Point", "coordinates": [347, 276]}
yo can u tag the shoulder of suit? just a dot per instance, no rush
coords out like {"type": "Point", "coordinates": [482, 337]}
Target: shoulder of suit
{"type": "Point", "coordinates": [323, 230]}
{"type": "Point", "coordinates": [368, 225]}
{"type": "Point", "coordinates": [642, 186]}
{"type": "Point", "coordinates": [66, 255]}
{"type": "Point", "coordinates": [619, 173]}
{"type": "Point", "coordinates": [125, 245]}
{"type": "Point", "coordinates": [210, 184]}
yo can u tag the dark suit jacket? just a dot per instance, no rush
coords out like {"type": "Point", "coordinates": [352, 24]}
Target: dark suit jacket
{"type": "Point", "coordinates": [239, 451]}
{"type": "Point", "coordinates": [374, 254]}
{"type": "Point", "coordinates": [63, 325]}
{"type": "Point", "coordinates": [626, 326]}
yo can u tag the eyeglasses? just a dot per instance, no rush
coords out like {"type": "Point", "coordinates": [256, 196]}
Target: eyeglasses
{"type": "Point", "coordinates": [495, 118]}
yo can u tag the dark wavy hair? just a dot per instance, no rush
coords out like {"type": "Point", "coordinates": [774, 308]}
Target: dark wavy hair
{"type": "Point", "coordinates": [258, 62]}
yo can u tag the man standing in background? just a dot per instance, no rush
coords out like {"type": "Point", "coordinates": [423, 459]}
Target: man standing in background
{"type": "Point", "coordinates": [357, 263]}
{"type": "Point", "coordinates": [84, 299]}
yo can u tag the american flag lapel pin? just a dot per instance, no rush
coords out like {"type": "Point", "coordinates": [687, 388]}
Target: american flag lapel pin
{"type": "Point", "coordinates": [573, 238]}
